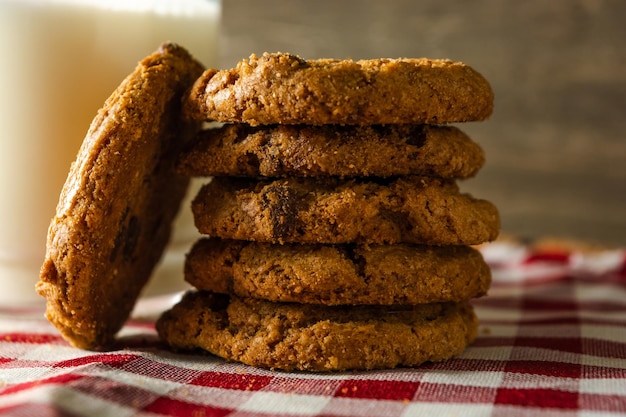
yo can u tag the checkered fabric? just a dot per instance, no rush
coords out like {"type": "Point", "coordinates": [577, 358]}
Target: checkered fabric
{"type": "Point", "coordinates": [552, 342]}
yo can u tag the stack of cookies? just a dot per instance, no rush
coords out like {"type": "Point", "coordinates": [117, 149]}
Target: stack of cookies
{"type": "Point", "coordinates": [337, 237]}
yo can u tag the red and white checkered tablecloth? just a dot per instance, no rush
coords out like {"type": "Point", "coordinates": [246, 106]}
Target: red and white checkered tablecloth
{"type": "Point", "coordinates": [552, 342]}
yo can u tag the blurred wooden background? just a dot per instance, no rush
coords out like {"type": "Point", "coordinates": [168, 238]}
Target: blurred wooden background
{"type": "Point", "coordinates": [556, 143]}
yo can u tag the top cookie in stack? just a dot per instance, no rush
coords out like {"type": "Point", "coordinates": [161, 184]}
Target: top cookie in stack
{"type": "Point", "coordinates": [339, 238]}
{"type": "Point", "coordinates": [286, 89]}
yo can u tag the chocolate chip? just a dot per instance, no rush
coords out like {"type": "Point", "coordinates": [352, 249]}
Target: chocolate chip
{"type": "Point", "coordinates": [131, 238]}
{"type": "Point", "coordinates": [127, 239]}
{"type": "Point", "coordinates": [282, 203]}
{"type": "Point", "coordinates": [417, 137]}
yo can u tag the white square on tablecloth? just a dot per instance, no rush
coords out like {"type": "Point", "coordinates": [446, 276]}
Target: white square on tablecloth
{"type": "Point", "coordinates": [447, 410]}
{"type": "Point", "coordinates": [265, 402]}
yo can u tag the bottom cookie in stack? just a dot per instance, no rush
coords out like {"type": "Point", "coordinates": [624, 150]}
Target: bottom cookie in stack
{"type": "Point", "coordinates": [327, 307]}
{"type": "Point", "coordinates": [292, 336]}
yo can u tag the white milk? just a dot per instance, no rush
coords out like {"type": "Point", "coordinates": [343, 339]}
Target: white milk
{"type": "Point", "coordinates": [60, 61]}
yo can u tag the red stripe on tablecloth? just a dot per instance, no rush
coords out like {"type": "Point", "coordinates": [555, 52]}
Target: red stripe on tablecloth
{"type": "Point", "coordinates": [604, 348]}
{"type": "Point", "coordinates": [381, 390]}
{"type": "Point", "coordinates": [620, 271]}
{"type": "Point", "coordinates": [540, 397]}
{"type": "Point", "coordinates": [243, 382]}
{"type": "Point", "coordinates": [603, 402]}
{"type": "Point", "coordinates": [549, 257]}
{"type": "Point", "coordinates": [111, 359]}
{"type": "Point", "coordinates": [535, 367]}
{"type": "Point", "coordinates": [555, 369]}
{"type": "Point", "coordinates": [176, 408]}
{"type": "Point", "coordinates": [114, 360]}
{"type": "Point", "coordinates": [31, 338]}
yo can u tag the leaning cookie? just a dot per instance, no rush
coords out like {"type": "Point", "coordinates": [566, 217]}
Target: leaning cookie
{"type": "Point", "coordinates": [410, 209]}
{"type": "Point", "coordinates": [317, 338]}
{"type": "Point", "coordinates": [344, 151]}
{"type": "Point", "coordinates": [338, 274]}
{"type": "Point", "coordinates": [115, 210]}
{"type": "Point", "coordinates": [286, 89]}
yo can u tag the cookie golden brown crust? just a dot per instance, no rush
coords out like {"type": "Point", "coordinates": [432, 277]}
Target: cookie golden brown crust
{"type": "Point", "coordinates": [408, 209]}
{"type": "Point", "coordinates": [318, 338]}
{"type": "Point", "coordinates": [284, 88]}
{"type": "Point", "coordinates": [114, 213]}
{"type": "Point", "coordinates": [345, 151]}
{"type": "Point", "coordinates": [338, 274]}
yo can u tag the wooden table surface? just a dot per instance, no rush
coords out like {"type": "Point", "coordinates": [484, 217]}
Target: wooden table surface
{"type": "Point", "coordinates": [556, 143]}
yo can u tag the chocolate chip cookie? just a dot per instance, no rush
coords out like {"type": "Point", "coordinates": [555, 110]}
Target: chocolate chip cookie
{"type": "Point", "coordinates": [409, 209]}
{"type": "Point", "coordinates": [286, 89]}
{"type": "Point", "coordinates": [115, 210]}
{"type": "Point", "coordinates": [344, 151]}
{"type": "Point", "coordinates": [317, 338]}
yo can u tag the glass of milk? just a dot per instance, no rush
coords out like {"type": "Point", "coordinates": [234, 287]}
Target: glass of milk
{"type": "Point", "coordinates": [61, 59]}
